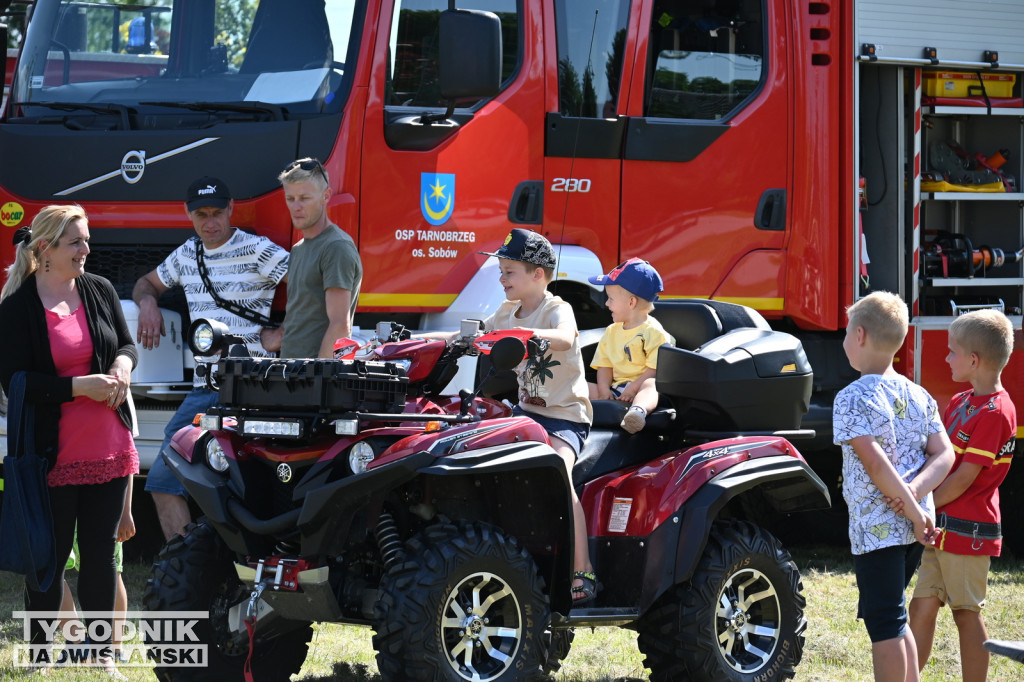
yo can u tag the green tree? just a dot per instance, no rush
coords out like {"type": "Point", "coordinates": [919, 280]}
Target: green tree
{"type": "Point", "coordinates": [570, 94]}
{"type": "Point", "coordinates": [14, 17]}
{"type": "Point", "coordinates": [234, 22]}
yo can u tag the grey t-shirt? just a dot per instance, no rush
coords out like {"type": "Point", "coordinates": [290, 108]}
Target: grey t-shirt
{"type": "Point", "coordinates": [328, 260]}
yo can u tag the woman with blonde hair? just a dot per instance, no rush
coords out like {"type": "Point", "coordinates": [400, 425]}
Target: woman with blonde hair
{"type": "Point", "coordinates": [66, 331]}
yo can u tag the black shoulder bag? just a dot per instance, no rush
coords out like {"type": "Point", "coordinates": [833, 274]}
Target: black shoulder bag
{"type": "Point", "coordinates": [230, 306]}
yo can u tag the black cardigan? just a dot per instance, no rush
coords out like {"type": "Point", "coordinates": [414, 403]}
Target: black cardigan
{"type": "Point", "coordinates": [25, 345]}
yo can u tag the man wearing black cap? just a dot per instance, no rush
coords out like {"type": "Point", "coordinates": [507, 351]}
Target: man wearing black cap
{"type": "Point", "coordinates": [244, 270]}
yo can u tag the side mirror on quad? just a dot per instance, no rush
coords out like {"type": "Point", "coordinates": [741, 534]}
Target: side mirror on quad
{"type": "Point", "coordinates": [507, 353]}
{"type": "Point", "coordinates": [210, 337]}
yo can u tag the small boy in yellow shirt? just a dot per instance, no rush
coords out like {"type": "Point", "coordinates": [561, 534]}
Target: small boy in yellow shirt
{"type": "Point", "coordinates": [626, 359]}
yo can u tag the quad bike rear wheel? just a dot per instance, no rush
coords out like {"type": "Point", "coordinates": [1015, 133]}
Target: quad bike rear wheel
{"type": "Point", "coordinates": [195, 572]}
{"type": "Point", "coordinates": [740, 618]}
{"type": "Point", "coordinates": [467, 604]}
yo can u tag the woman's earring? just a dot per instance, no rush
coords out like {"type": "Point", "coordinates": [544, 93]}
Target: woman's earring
{"type": "Point", "coordinates": [47, 264]}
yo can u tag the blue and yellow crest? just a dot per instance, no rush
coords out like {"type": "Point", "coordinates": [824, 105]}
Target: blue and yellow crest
{"type": "Point", "coordinates": [437, 196]}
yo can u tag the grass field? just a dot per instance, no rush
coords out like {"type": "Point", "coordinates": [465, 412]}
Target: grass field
{"type": "Point", "coordinates": [837, 646]}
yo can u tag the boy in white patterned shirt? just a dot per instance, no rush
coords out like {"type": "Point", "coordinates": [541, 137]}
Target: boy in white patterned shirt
{"type": "Point", "coordinates": [890, 433]}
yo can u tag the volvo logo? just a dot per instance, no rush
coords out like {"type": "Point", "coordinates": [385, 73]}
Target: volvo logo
{"type": "Point", "coordinates": [284, 472]}
{"type": "Point", "coordinates": [133, 165]}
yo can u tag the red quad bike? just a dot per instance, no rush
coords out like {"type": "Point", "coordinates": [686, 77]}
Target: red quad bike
{"type": "Point", "coordinates": [351, 491]}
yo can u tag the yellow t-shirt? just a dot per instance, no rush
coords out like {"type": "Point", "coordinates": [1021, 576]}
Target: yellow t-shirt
{"type": "Point", "coordinates": [629, 352]}
{"type": "Point", "coordinates": [555, 386]}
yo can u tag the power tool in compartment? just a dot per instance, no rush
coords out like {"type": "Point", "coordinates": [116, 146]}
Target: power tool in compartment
{"type": "Point", "coordinates": [950, 254]}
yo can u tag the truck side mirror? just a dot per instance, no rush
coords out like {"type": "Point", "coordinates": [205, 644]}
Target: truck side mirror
{"type": "Point", "coordinates": [469, 58]}
{"type": "Point", "coordinates": [3, 55]}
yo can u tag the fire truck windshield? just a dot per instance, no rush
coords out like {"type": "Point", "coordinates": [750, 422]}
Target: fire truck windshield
{"type": "Point", "coordinates": [220, 60]}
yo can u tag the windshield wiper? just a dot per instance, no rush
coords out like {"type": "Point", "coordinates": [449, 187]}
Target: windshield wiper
{"type": "Point", "coordinates": [276, 113]}
{"type": "Point", "coordinates": [119, 109]}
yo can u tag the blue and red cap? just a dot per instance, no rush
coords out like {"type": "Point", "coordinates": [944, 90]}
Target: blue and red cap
{"type": "Point", "coordinates": [636, 276]}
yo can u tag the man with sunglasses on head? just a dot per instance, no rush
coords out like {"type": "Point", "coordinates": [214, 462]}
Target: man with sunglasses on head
{"type": "Point", "coordinates": [228, 275]}
{"type": "Point", "coordinates": [324, 273]}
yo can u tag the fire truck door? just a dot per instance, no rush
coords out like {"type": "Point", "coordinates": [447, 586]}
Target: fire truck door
{"type": "Point", "coordinates": [432, 196]}
{"type": "Point", "coordinates": [584, 136]}
{"type": "Point", "coordinates": [705, 179]}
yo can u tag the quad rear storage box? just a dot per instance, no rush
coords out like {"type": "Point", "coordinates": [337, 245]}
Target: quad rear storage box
{"type": "Point", "coordinates": [320, 386]}
{"type": "Point", "coordinates": [744, 380]}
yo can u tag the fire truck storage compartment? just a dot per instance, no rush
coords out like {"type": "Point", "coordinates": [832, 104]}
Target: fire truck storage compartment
{"type": "Point", "coordinates": [745, 380]}
{"type": "Point", "coordinates": [312, 385]}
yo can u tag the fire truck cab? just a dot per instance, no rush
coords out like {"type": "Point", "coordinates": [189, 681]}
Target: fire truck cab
{"type": "Point", "coordinates": [725, 141]}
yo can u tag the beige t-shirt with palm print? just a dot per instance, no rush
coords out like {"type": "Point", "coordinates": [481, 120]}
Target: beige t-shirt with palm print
{"type": "Point", "coordinates": [554, 385]}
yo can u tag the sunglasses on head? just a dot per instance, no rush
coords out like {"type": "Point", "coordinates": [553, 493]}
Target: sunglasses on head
{"type": "Point", "coordinates": [308, 165]}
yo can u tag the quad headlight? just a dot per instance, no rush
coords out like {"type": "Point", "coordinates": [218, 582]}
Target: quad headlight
{"type": "Point", "coordinates": [215, 456]}
{"type": "Point", "coordinates": [360, 456]}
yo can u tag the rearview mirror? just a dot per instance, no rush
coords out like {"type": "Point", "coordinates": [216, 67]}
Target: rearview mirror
{"type": "Point", "coordinates": [507, 353]}
{"type": "Point", "coordinates": [469, 55]}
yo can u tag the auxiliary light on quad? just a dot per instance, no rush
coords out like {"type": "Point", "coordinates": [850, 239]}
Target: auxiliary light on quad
{"type": "Point", "coordinates": [210, 422]}
{"type": "Point", "coordinates": [275, 428]}
{"type": "Point", "coordinates": [346, 427]}
{"type": "Point", "coordinates": [360, 456]}
{"type": "Point", "coordinates": [205, 337]}
{"type": "Point", "coordinates": [215, 456]}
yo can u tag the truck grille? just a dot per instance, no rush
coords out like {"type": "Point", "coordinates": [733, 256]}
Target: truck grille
{"type": "Point", "coordinates": [124, 264]}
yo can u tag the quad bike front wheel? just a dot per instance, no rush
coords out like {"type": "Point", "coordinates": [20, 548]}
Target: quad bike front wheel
{"type": "Point", "coordinates": [739, 619]}
{"type": "Point", "coordinates": [195, 572]}
{"type": "Point", "coordinates": [467, 604]}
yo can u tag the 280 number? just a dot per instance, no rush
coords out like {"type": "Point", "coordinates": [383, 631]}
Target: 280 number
{"type": "Point", "coordinates": [570, 185]}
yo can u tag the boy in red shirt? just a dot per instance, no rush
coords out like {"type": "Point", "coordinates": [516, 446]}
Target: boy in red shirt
{"type": "Point", "coordinates": [982, 424]}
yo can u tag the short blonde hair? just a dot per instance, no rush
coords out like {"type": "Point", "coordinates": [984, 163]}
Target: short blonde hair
{"type": "Point", "coordinates": [986, 333]}
{"type": "Point", "coordinates": [303, 170]}
{"type": "Point", "coordinates": [884, 317]}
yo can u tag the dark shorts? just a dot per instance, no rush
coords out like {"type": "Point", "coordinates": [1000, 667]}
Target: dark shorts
{"type": "Point", "coordinates": [882, 579]}
{"type": "Point", "coordinates": [573, 433]}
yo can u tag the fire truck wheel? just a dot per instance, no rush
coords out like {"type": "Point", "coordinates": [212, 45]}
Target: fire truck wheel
{"type": "Point", "coordinates": [195, 572]}
{"type": "Point", "coordinates": [467, 604]}
{"type": "Point", "coordinates": [740, 618]}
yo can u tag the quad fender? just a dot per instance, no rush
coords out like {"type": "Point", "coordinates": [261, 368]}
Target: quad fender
{"type": "Point", "coordinates": [674, 501]}
{"type": "Point", "coordinates": [787, 483]}
{"type": "Point", "coordinates": [524, 489]}
{"type": "Point", "coordinates": [521, 487]}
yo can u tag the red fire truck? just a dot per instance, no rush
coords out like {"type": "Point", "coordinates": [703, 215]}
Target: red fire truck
{"type": "Point", "coordinates": [789, 155]}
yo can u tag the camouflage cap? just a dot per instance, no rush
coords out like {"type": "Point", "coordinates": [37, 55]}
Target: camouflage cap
{"type": "Point", "coordinates": [526, 246]}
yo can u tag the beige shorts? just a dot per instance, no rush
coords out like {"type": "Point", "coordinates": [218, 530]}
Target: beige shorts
{"type": "Point", "coordinates": [956, 579]}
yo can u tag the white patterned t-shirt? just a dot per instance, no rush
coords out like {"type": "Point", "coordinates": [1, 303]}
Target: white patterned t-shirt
{"type": "Point", "coordinates": [901, 416]}
{"type": "Point", "coordinates": [245, 269]}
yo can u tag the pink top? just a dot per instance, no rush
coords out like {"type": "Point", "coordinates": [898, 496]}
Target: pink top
{"type": "Point", "coordinates": [94, 445]}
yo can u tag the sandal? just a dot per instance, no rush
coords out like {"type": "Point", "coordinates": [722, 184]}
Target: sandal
{"type": "Point", "coordinates": [588, 589]}
{"type": "Point", "coordinates": [107, 663]}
